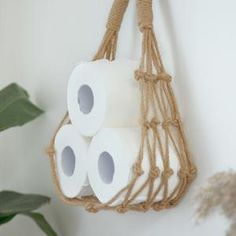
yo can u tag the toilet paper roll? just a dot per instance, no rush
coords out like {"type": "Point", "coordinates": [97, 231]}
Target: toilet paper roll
{"type": "Point", "coordinates": [71, 153]}
{"type": "Point", "coordinates": [111, 156]}
{"type": "Point", "coordinates": [103, 94]}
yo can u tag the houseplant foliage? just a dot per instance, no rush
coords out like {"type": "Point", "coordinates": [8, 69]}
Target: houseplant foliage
{"type": "Point", "coordinates": [219, 193]}
{"type": "Point", "coordinates": [16, 110]}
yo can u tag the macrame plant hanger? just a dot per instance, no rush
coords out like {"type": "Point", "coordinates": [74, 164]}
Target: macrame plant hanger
{"type": "Point", "coordinates": [160, 123]}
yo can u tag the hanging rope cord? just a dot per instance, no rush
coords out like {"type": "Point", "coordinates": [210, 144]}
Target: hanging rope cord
{"type": "Point", "coordinates": [108, 46]}
{"type": "Point", "coordinates": [160, 122]}
{"type": "Point", "coordinates": [159, 103]}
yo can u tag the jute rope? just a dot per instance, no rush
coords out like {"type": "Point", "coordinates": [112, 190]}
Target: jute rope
{"type": "Point", "coordinates": [109, 43]}
{"type": "Point", "coordinates": [160, 123]}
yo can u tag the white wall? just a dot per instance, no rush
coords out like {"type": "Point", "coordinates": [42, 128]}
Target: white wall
{"type": "Point", "coordinates": [41, 41]}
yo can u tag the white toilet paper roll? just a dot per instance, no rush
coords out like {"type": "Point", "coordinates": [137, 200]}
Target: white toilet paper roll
{"type": "Point", "coordinates": [103, 94]}
{"type": "Point", "coordinates": [71, 153]}
{"type": "Point", "coordinates": [111, 156]}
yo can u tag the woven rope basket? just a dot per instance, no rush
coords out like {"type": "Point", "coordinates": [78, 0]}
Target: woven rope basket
{"type": "Point", "coordinates": [160, 123]}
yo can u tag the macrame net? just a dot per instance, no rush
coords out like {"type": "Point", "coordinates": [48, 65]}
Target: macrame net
{"type": "Point", "coordinates": [160, 123]}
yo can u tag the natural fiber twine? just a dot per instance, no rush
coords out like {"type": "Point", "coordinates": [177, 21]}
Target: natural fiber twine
{"type": "Point", "coordinates": [160, 122]}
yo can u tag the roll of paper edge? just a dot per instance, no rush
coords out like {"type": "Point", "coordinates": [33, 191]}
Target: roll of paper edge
{"type": "Point", "coordinates": [71, 161]}
{"type": "Point", "coordinates": [103, 93]}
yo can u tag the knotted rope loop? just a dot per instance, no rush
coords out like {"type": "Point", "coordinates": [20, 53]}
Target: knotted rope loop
{"type": "Point", "coordinates": [160, 206]}
{"type": "Point", "coordinates": [183, 173]}
{"type": "Point", "coordinates": [175, 122]}
{"type": "Point", "coordinates": [146, 125]}
{"type": "Point", "coordinates": [122, 208]}
{"type": "Point", "coordinates": [145, 15]}
{"type": "Point", "coordinates": [50, 151]}
{"type": "Point", "coordinates": [187, 173]}
{"type": "Point", "coordinates": [167, 122]}
{"type": "Point", "coordinates": [154, 172]}
{"type": "Point", "coordinates": [91, 208]}
{"type": "Point", "coordinates": [145, 76]}
{"type": "Point", "coordinates": [143, 207]}
{"type": "Point", "coordinates": [151, 125]}
{"type": "Point", "coordinates": [148, 77]}
{"type": "Point", "coordinates": [154, 123]}
{"type": "Point", "coordinates": [192, 173]}
{"type": "Point", "coordinates": [164, 77]}
{"type": "Point", "coordinates": [140, 75]}
{"type": "Point", "coordinates": [137, 169]}
{"type": "Point", "coordinates": [168, 172]}
{"type": "Point", "coordinates": [116, 14]}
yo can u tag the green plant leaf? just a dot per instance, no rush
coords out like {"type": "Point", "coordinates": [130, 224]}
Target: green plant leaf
{"type": "Point", "coordinates": [15, 107]}
{"type": "Point", "coordinates": [40, 220]}
{"type": "Point", "coordinates": [5, 219]}
{"type": "Point", "coordinates": [14, 203]}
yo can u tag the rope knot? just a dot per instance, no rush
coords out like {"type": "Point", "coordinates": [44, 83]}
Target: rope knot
{"type": "Point", "coordinates": [161, 205]}
{"type": "Point", "coordinates": [137, 169]}
{"type": "Point", "coordinates": [175, 122]}
{"type": "Point", "coordinates": [165, 205]}
{"type": "Point", "coordinates": [50, 151]}
{"type": "Point", "coordinates": [193, 173]}
{"type": "Point", "coordinates": [146, 125]}
{"type": "Point", "coordinates": [138, 75]}
{"type": "Point", "coordinates": [185, 173]}
{"type": "Point", "coordinates": [143, 207]}
{"type": "Point", "coordinates": [164, 77]}
{"type": "Point", "coordinates": [168, 172]}
{"type": "Point", "coordinates": [154, 123]}
{"type": "Point", "coordinates": [156, 207]}
{"type": "Point", "coordinates": [145, 76]}
{"type": "Point", "coordinates": [168, 122]}
{"type": "Point", "coordinates": [154, 172]}
{"type": "Point", "coordinates": [91, 208]}
{"type": "Point", "coordinates": [148, 77]}
{"type": "Point", "coordinates": [122, 208]}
